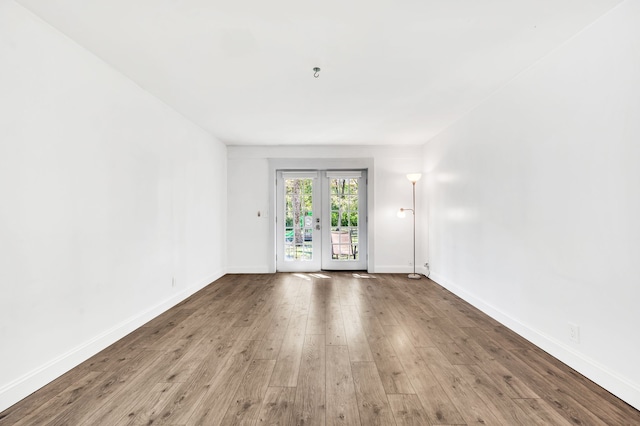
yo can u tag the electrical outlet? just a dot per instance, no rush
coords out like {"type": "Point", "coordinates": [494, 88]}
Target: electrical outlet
{"type": "Point", "coordinates": [574, 332]}
{"type": "Point", "coordinates": [426, 264]}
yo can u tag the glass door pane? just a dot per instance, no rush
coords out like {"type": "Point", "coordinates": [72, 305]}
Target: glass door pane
{"type": "Point", "coordinates": [344, 219]}
{"type": "Point", "coordinates": [298, 220]}
{"type": "Point", "coordinates": [345, 237]}
{"type": "Point", "coordinates": [298, 245]}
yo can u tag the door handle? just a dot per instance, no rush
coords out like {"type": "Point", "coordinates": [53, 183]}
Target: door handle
{"type": "Point", "coordinates": [318, 226]}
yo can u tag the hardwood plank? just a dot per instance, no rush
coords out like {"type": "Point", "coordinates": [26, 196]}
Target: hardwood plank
{"type": "Point", "coordinates": [276, 320]}
{"type": "Point", "coordinates": [243, 293]}
{"type": "Point", "coordinates": [451, 340]}
{"type": "Point", "coordinates": [423, 356]}
{"type": "Point", "coordinates": [247, 402]}
{"type": "Point", "coordinates": [181, 370]}
{"type": "Point", "coordinates": [267, 310]}
{"type": "Point", "coordinates": [363, 303]}
{"type": "Point", "coordinates": [410, 323]}
{"type": "Point", "coordinates": [238, 333]}
{"type": "Point", "coordinates": [449, 310]}
{"type": "Point", "coordinates": [575, 388]}
{"type": "Point", "coordinates": [506, 338]}
{"type": "Point", "coordinates": [508, 382]}
{"type": "Point", "coordinates": [159, 326]}
{"type": "Point", "coordinates": [407, 293]}
{"type": "Point", "coordinates": [268, 349]}
{"type": "Point", "coordinates": [377, 299]}
{"type": "Point", "coordinates": [266, 297]}
{"type": "Point", "coordinates": [277, 407]}
{"type": "Point", "coordinates": [342, 406]}
{"type": "Point", "coordinates": [540, 413]}
{"type": "Point", "coordinates": [473, 314]}
{"type": "Point", "coordinates": [202, 363]}
{"type": "Point", "coordinates": [408, 411]}
{"type": "Point", "coordinates": [394, 378]}
{"type": "Point", "coordinates": [191, 393]}
{"type": "Point", "coordinates": [501, 406]}
{"type": "Point", "coordinates": [123, 351]}
{"type": "Point", "coordinates": [437, 404]}
{"type": "Point", "coordinates": [61, 401]}
{"type": "Point", "coordinates": [317, 321]}
{"type": "Point", "coordinates": [303, 298]}
{"type": "Point", "coordinates": [288, 361]}
{"type": "Point", "coordinates": [372, 401]}
{"type": "Point", "coordinates": [189, 330]}
{"type": "Point", "coordinates": [148, 409]}
{"type": "Point", "coordinates": [335, 326]}
{"type": "Point", "coordinates": [356, 338]}
{"type": "Point", "coordinates": [221, 390]}
{"type": "Point", "coordinates": [310, 399]}
{"type": "Point", "coordinates": [259, 329]}
{"type": "Point", "coordinates": [124, 399]}
{"type": "Point", "coordinates": [246, 319]}
{"type": "Point", "coordinates": [70, 380]}
{"type": "Point", "coordinates": [98, 396]}
{"type": "Point", "coordinates": [279, 321]}
{"type": "Point", "coordinates": [549, 389]}
{"type": "Point", "coordinates": [345, 289]}
{"type": "Point", "coordinates": [475, 409]}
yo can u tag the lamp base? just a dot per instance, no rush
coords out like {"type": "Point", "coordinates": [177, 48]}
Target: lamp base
{"type": "Point", "coordinates": [415, 276]}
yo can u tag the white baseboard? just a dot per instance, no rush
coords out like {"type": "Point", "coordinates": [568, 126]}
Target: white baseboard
{"type": "Point", "coordinates": [248, 270]}
{"type": "Point", "coordinates": [28, 383]}
{"type": "Point", "coordinates": [384, 269]}
{"type": "Point", "coordinates": [621, 387]}
{"type": "Point", "coordinates": [394, 269]}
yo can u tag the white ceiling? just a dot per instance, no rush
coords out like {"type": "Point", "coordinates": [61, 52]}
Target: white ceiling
{"type": "Point", "coordinates": [393, 72]}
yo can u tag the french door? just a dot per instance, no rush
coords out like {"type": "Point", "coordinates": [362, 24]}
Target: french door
{"type": "Point", "coordinates": [321, 220]}
{"type": "Point", "coordinates": [298, 221]}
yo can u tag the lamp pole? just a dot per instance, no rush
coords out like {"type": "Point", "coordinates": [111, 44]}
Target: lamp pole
{"type": "Point", "coordinates": [413, 178]}
{"type": "Point", "coordinates": [414, 276]}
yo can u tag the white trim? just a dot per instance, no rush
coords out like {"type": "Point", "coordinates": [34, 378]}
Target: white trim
{"type": "Point", "coordinates": [620, 386]}
{"type": "Point", "coordinates": [394, 269]}
{"type": "Point", "coordinates": [315, 164]}
{"type": "Point", "coordinates": [28, 383]}
{"type": "Point", "coordinates": [309, 174]}
{"type": "Point", "coordinates": [248, 269]}
{"type": "Point", "coordinates": [344, 174]}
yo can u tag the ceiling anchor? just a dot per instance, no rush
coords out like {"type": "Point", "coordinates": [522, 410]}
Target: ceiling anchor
{"type": "Point", "coordinates": [316, 72]}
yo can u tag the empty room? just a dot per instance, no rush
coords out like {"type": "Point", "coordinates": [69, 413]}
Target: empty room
{"type": "Point", "coordinates": [319, 213]}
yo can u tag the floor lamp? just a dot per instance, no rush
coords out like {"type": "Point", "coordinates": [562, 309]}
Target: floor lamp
{"type": "Point", "coordinates": [413, 178]}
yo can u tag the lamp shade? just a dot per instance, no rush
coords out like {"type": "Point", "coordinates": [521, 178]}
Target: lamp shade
{"type": "Point", "coordinates": [414, 177]}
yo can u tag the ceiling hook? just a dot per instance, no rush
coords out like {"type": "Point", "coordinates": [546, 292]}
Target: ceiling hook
{"type": "Point", "coordinates": [316, 72]}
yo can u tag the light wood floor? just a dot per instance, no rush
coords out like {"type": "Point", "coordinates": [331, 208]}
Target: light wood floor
{"type": "Point", "coordinates": [330, 349]}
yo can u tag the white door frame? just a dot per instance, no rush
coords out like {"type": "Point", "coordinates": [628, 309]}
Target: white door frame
{"type": "Point", "coordinates": [315, 263]}
{"type": "Point", "coordinates": [328, 263]}
{"type": "Point", "coordinates": [322, 164]}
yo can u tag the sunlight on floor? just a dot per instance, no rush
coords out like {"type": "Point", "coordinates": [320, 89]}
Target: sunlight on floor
{"type": "Point", "coordinates": [309, 276]}
{"type": "Point", "coordinates": [320, 276]}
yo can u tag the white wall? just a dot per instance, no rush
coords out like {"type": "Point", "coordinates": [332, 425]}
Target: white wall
{"type": "Point", "coordinates": [106, 196]}
{"type": "Point", "coordinates": [250, 243]}
{"type": "Point", "coordinates": [534, 203]}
